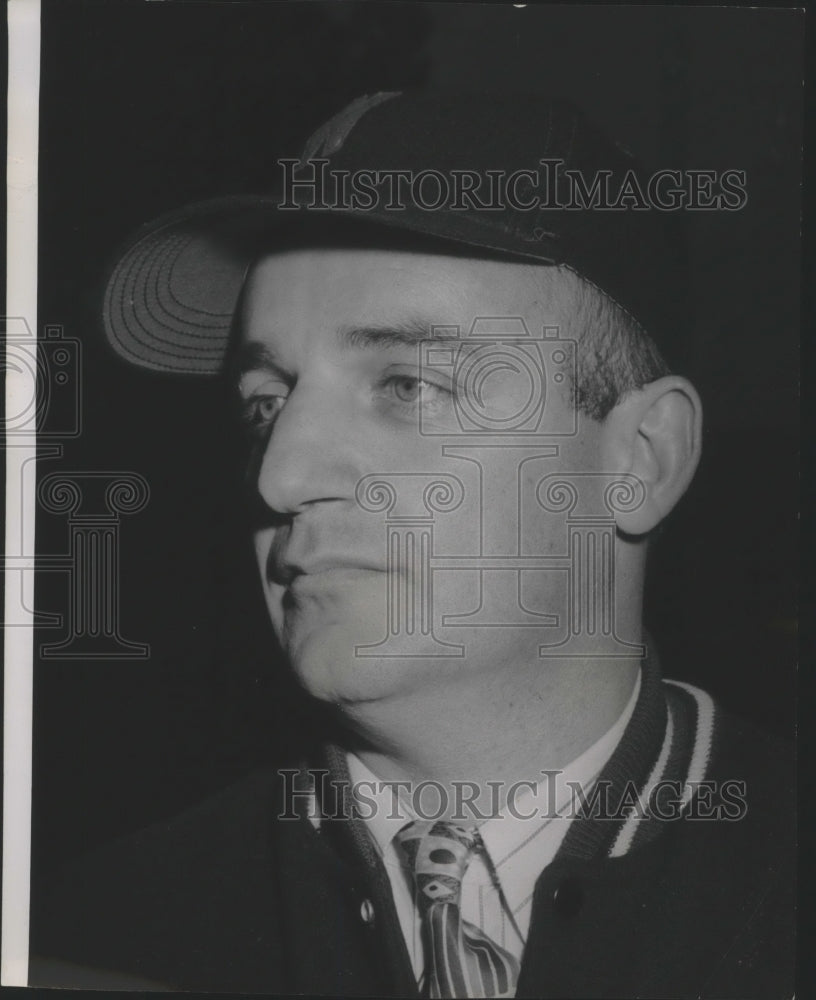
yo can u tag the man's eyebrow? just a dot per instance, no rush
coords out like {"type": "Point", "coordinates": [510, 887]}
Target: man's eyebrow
{"type": "Point", "coordinates": [255, 356]}
{"type": "Point", "coordinates": [393, 335]}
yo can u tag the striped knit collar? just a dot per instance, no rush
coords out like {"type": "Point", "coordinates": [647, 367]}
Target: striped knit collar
{"type": "Point", "coordinates": [666, 747]}
{"type": "Point", "coordinates": [668, 738]}
{"type": "Point", "coordinates": [629, 766]}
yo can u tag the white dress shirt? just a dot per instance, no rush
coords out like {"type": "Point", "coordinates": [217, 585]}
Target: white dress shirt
{"type": "Point", "coordinates": [497, 890]}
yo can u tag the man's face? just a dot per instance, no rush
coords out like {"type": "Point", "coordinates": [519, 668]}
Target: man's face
{"type": "Point", "coordinates": [338, 384]}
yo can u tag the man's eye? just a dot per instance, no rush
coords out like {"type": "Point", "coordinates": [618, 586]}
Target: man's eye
{"type": "Point", "coordinates": [407, 388]}
{"type": "Point", "coordinates": [412, 389]}
{"type": "Point", "coordinates": [260, 411]}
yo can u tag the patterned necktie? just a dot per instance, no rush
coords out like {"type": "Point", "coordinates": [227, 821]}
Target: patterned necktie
{"type": "Point", "coordinates": [461, 961]}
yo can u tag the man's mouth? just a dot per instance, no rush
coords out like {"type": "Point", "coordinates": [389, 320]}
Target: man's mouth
{"type": "Point", "coordinates": [314, 572]}
{"type": "Point", "coordinates": [330, 577]}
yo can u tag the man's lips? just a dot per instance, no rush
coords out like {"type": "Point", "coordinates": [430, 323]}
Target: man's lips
{"type": "Point", "coordinates": [332, 578]}
{"type": "Point", "coordinates": [288, 574]}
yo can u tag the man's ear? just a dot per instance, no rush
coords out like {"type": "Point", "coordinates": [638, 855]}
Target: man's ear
{"type": "Point", "coordinates": [655, 434]}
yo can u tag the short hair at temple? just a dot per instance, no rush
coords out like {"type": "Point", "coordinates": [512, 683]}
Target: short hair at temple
{"type": "Point", "coordinates": [614, 354]}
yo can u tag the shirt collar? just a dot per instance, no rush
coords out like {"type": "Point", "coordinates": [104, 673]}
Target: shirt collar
{"type": "Point", "coordinates": [525, 840]}
{"type": "Point", "coordinates": [385, 813]}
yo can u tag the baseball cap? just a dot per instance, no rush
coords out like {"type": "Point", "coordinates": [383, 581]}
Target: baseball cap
{"type": "Point", "coordinates": [524, 178]}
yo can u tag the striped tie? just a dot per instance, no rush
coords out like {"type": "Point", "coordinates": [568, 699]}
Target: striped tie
{"type": "Point", "coordinates": [461, 961]}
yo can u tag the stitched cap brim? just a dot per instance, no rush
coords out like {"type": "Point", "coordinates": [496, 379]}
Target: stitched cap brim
{"type": "Point", "coordinates": [171, 297]}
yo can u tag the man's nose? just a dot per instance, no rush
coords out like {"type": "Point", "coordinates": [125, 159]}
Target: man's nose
{"type": "Point", "coordinates": [312, 452]}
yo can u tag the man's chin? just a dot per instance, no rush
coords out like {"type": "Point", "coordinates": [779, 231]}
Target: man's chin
{"type": "Point", "coordinates": [337, 664]}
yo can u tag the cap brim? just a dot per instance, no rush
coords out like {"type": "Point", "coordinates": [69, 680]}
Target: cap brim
{"type": "Point", "coordinates": [171, 297]}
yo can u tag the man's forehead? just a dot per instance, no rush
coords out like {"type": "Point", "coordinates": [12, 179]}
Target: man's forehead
{"type": "Point", "coordinates": [436, 287]}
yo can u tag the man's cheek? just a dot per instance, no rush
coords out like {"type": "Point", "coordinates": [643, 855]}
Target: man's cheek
{"type": "Point", "coordinates": [354, 616]}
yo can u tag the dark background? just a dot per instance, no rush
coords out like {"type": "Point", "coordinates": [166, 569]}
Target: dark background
{"type": "Point", "coordinates": [147, 105]}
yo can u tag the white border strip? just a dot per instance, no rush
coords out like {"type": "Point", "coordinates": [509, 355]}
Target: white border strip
{"type": "Point", "coordinates": [21, 291]}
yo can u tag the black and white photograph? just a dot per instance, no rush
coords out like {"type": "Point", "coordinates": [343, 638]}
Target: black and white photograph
{"type": "Point", "coordinates": [402, 512]}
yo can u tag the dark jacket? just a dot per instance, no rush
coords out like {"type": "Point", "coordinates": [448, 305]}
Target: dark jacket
{"type": "Point", "coordinates": [229, 898]}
